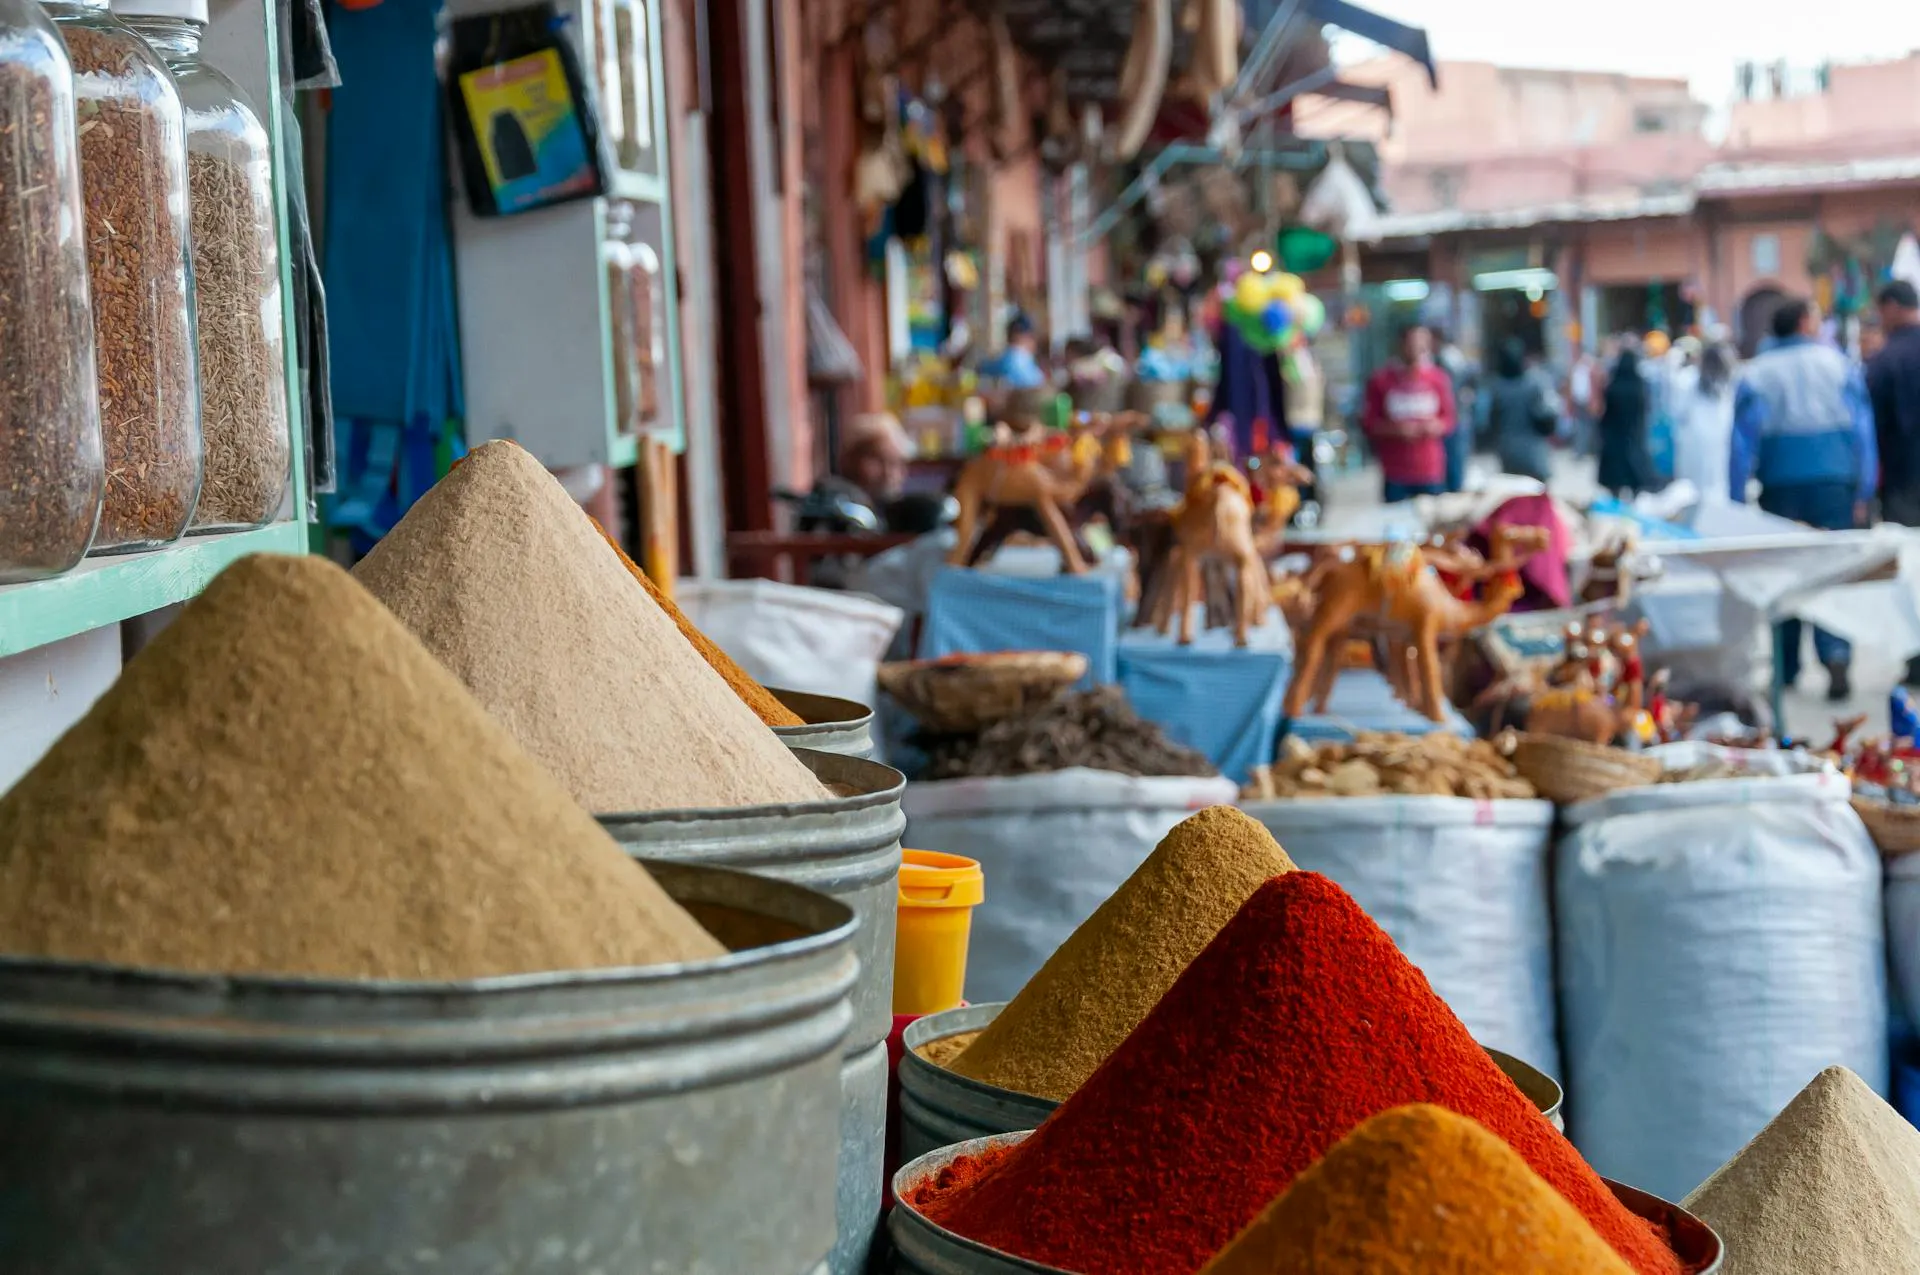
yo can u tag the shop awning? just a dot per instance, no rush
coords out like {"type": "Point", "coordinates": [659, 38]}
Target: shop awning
{"type": "Point", "coordinates": [1408, 41]}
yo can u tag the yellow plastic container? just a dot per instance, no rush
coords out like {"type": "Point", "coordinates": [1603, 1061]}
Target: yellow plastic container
{"type": "Point", "coordinates": [938, 893]}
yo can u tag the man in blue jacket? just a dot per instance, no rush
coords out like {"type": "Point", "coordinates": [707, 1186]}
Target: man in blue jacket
{"type": "Point", "coordinates": [1803, 425]}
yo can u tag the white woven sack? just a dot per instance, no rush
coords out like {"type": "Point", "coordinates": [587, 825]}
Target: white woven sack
{"type": "Point", "coordinates": [1053, 848]}
{"type": "Point", "coordinates": [1720, 942]}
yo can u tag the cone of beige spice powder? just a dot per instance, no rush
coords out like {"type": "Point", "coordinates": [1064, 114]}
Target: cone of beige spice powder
{"type": "Point", "coordinates": [509, 583]}
{"type": "Point", "coordinates": [285, 783]}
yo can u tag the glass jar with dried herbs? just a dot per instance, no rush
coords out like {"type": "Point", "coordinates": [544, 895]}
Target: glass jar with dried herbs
{"type": "Point", "coordinates": [236, 275]}
{"type": "Point", "coordinates": [51, 471]}
{"type": "Point", "coordinates": [133, 184]}
{"type": "Point", "coordinates": [617, 259]}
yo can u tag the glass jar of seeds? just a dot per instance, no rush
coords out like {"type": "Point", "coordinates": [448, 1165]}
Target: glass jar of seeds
{"type": "Point", "coordinates": [236, 275]}
{"type": "Point", "coordinates": [133, 183]}
{"type": "Point", "coordinates": [51, 471]}
{"type": "Point", "coordinates": [617, 259]}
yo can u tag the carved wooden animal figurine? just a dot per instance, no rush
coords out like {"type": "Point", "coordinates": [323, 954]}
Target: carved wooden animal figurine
{"type": "Point", "coordinates": [1214, 524]}
{"type": "Point", "coordinates": [1030, 475]}
{"type": "Point", "coordinates": [1105, 496]}
{"type": "Point", "coordinates": [1579, 713]}
{"type": "Point", "coordinates": [1392, 584]}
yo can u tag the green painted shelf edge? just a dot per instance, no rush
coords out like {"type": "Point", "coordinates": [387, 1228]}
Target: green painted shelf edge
{"type": "Point", "coordinates": [103, 591]}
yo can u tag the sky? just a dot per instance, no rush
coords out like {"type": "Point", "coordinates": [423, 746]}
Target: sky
{"type": "Point", "coordinates": [1699, 39]}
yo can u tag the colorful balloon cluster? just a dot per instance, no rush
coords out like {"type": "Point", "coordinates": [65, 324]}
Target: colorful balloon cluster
{"type": "Point", "coordinates": [1273, 311]}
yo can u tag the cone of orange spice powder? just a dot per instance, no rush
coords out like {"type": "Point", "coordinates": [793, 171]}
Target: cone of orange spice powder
{"type": "Point", "coordinates": [1419, 1191]}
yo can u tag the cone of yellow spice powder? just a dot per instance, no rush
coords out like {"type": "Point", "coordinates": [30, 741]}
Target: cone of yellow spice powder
{"type": "Point", "coordinates": [1419, 1190]}
{"type": "Point", "coordinates": [1094, 990]}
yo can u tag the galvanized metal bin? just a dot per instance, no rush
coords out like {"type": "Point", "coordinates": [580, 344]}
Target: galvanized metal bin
{"type": "Point", "coordinates": [1698, 1245]}
{"type": "Point", "coordinates": [921, 1247]}
{"type": "Point", "coordinates": [667, 1118]}
{"type": "Point", "coordinates": [939, 1107]}
{"type": "Point", "coordinates": [833, 725]}
{"type": "Point", "coordinates": [847, 847]}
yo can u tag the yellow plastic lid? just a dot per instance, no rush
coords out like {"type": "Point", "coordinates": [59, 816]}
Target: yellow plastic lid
{"type": "Point", "coordinates": [930, 879]}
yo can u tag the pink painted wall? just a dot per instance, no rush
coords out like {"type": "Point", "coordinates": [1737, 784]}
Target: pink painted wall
{"type": "Point", "coordinates": [1864, 103]}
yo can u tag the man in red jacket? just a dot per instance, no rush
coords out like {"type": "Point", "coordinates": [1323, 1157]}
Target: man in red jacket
{"type": "Point", "coordinates": [1409, 414]}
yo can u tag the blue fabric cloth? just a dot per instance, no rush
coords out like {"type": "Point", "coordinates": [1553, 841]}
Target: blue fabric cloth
{"type": "Point", "coordinates": [1212, 696]}
{"type": "Point", "coordinates": [1248, 389]}
{"type": "Point", "coordinates": [395, 371]}
{"type": "Point", "coordinates": [971, 611]}
{"type": "Point", "coordinates": [1363, 701]}
{"type": "Point", "coordinates": [1014, 368]}
{"type": "Point", "coordinates": [1802, 415]}
{"type": "Point", "coordinates": [1394, 493]}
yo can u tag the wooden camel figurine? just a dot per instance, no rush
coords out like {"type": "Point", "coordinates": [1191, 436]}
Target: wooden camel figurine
{"type": "Point", "coordinates": [1388, 646]}
{"type": "Point", "coordinates": [1213, 525]}
{"type": "Point", "coordinates": [1106, 496]}
{"type": "Point", "coordinates": [1031, 475]}
{"type": "Point", "coordinates": [1394, 585]}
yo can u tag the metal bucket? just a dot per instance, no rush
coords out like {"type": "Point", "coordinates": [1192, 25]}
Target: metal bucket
{"type": "Point", "coordinates": [939, 1107]}
{"type": "Point", "coordinates": [1543, 1090]}
{"type": "Point", "coordinates": [665, 1118]}
{"type": "Point", "coordinates": [832, 725]}
{"type": "Point", "coordinates": [1699, 1248]}
{"type": "Point", "coordinates": [921, 1247]}
{"type": "Point", "coordinates": [847, 847]}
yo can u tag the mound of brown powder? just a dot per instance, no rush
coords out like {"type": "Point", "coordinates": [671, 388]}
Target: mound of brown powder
{"type": "Point", "coordinates": [1832, 1184]}
{"type": "Point", "coordinates": [512, 586]}
{"type": "Point", "coordinates": [285, 782]}
{"type": "Point", "coordinates": [1094, 990]}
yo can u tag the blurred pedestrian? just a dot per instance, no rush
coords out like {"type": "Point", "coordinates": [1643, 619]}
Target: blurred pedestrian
{"type": "Point", "coordinates": [1626, 468]}
{"type": "Point", "coordinates": [1893, 384]}
{"type": "Point", "coordinates": [1803, 425]}
{"type": "Point", "coordinates": [1408, 416]}
{"type": "Point", "coordinates": [1466, 389]}
{"type": "Point", "coordinates": [1703, 423]}
{"type": "Point", "coordinates": [1522, 413]}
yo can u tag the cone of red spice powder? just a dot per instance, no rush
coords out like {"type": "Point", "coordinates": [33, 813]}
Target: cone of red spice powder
{"type": "Point", "coordinates": [1297, 1023]}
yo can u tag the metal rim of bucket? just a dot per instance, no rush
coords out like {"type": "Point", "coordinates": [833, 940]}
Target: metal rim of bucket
{"type": "Point", "coordinates": [1541, 1089]}
{"type": "Point", "coordinates": [918, 1238]}
{"type": "Point", "coordinates": [930, 1093]}
{"type": "Point", "coordinates": [821, 712]}
{"type": "Point", "coordinates": [878, 785]}
{"type": "Point", "coordinates": [514, 1042]}
{"type": "Point", "coordinates": [1691, 1239]}
{"type": "Point", "coordinates": [917, 1073]}
{"type": "Point", "coordinates": [1695, 1243]}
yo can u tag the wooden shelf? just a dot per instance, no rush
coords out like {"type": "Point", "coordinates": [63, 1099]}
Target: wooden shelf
{"type": "Point", "coordinates": [108, 590]}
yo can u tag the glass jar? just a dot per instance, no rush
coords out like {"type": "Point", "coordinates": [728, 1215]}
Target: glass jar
{"type": "Point", "coordinates": [618, 262]}
{"type": "Point", "coordinates": [607, 76]}
{"type": "Point", "coordinates": [236, 276]}
{"type": "Point", "coordinates": [649, 331]}
{"type": "Point", "coordinates": [133, 180]}
{"type": "Point", "coordinates": [636, 83]}
{"type": "Point", "coordinates": [51, 469]}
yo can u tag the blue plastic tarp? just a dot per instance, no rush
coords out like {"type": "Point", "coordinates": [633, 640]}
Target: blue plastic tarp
{"type": "Point", "coordinates": [970, 611]}
{"type": "Point", "coordinates": [1211, 696]}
